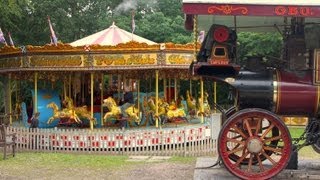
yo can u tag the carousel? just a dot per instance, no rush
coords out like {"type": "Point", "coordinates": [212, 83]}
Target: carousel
{"type": "Point", "coordinates": [85, 83]}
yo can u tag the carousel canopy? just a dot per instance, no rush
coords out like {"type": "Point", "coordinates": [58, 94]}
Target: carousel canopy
{"type": "Point", "coordinates": [111, 36]}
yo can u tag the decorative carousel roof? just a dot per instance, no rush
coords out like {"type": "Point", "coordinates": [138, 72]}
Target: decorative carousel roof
{"type": "Point", "coordinates": [111, 36]}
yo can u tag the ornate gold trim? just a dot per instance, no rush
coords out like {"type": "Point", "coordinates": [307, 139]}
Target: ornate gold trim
{"type": "Point", "coordinates": [227, 9]}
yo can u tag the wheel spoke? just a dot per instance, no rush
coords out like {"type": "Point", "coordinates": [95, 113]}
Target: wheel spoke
{"type": "Point", "coordinates": [234, 140]}
{"type": "Point", "coordinates": [269, 158]}
{"type": "Point", "coordinates": [248, 127]}
{"type": "Point", "coordinates": [272, 139]}
{"type": "Point", "coordinates": [250, 162]}
{"type": "Point", "coordinates": [260, 164]}
{"type": "Point", "coordinates": [240, 132]}
{"type": "Point", "coordinates": [272, 149]}
{"type": "Point", "coordinates": [235, 150]}
{"type": "Point", "coordinates": [267, 131]}
{"type": "Point", "coordinates": [258, 126]}
{"type": "Point", "coordinates": [242, 158]}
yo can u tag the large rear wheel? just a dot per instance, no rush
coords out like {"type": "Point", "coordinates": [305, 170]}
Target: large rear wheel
{"type": "Point", "coordinates": [254, 144]}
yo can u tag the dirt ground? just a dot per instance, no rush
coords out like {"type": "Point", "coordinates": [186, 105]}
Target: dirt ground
{"type": "Point", "coordinates": [146, 168]}
{"type": "Point", "coordinates": [162, 169]}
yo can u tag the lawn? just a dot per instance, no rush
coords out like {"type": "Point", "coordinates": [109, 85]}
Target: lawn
{"type": "Point", "coordinates": [87, 166]}
{"type": "Point", "coordinates": [306, 152]}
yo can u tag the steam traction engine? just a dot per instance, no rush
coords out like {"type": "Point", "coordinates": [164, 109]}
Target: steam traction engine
{"type": "Point", "coordinates": [254, 142]}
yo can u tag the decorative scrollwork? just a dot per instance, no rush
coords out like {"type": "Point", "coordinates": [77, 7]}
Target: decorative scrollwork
{"type": "Point", "coordinates": [227, 9]}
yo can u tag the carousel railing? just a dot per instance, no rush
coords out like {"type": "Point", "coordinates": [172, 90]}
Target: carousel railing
{"type": "Point", "coordinates": [196, 140]}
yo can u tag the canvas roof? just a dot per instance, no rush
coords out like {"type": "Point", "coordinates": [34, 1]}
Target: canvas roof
{"type": "Point", "coordinates": [111, 36]}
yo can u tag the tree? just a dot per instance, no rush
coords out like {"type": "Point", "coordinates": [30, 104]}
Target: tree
{"type": "Point", "coordinates": [267, 45]}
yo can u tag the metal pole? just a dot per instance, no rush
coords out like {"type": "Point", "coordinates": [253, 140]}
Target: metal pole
{"type": "Point", "coordinates": [64, 89]}
{"type": "Point", "coordinates": [69, 87]}
{"type": "Point", "coordinates": [175, 89]}
{"type": "Point", "coordinates": [91, 123]}
{"type": "Point", "coordinates": [165, 88]}
{"type": "Point", "coordinates": [215, 96]}
{"type": "Point", "coordinates": [101, 102]}
{"type": "Point", "coordinates": [35, 93]}
{"type": "Point", "coordinates": [157, 98]}
{"type": "Point", "coordinates": [202, 103]}
{"type": "Point", "coordinates": [10, 100]}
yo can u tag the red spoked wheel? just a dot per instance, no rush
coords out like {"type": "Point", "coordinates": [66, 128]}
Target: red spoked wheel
{"type": "Point", "coordinates": [254, 144]}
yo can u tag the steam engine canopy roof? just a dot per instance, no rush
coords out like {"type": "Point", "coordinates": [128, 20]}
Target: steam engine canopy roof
{"type": "Point", "coordinates": [258, 2]}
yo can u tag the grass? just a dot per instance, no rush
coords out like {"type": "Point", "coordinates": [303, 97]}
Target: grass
{"type": "Point", "coordinates": [305, 152]}
{"type": "Point", "coordinates": [60, 160]}
{"type": "Point", "coordinates": [184, 160]}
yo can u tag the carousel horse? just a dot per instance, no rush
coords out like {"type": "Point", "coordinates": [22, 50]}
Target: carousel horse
{"type": "Point", "coordinates": [174, 111]}
{"type": "Point", "coordinates": [150, 107]}
{"type": "Point", "coordinates": [80, 111]}
{"type": "Point", "coordinates": [205, 104]}
{"type": "Point", "coordinates": [115, 111]}
{"type": "Point", "coordinates": [62, 114]}
{"type": "Point", "coordinates": [191, 105]}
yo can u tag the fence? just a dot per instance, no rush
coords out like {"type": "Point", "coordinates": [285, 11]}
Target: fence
{"type": "Point", "coordinates": [195, 140]}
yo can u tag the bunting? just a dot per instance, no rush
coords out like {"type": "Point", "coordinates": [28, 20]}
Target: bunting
{"type": "Point", "coordinates": [2, 39]}
{"type": "Point", "coordinates": [53, 37]}
{"type": "Point", "coordinates": [10, 39]}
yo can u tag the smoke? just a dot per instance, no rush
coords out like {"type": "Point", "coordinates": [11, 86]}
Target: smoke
{"type": "Point", "coordinates": [126, 5]}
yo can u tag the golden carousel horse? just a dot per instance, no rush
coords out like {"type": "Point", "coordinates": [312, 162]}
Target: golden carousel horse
{"type": "Point", "coordinates": [205, 104]}
{"type": "Point", "coordinates": [62, 114]}
{"type": "Point", "coordinates": [175, 111]}
{"type": "Point", "coordinates": [115, 110]}
{"type": "Point", "coordinates": [191, 105]}
{"type": "Point", "coordinates": [70, 112]}
{"type": "Point", "coordinates": [80, 111]}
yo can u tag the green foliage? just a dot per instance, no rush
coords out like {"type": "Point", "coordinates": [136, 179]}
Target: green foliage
{"type": "Point", "coordinates": [159, 21]}
{"type": "Point", "coordinates": [259, 44]}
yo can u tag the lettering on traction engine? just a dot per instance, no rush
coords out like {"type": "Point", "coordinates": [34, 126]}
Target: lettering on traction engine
{"type": "Point", "coordinates": [292, 11]}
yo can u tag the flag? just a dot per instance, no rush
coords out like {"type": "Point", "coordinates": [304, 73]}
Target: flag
{"type": "Point", "coordinates": [133, 24]}
{"type": "Point", "coordinates": [201, 36]}
{"type": "Point", "coordinates": [2, 39]}
{"type": "Point", "coordinates": [54, 39]}
{"type": "Point", "coordinates": [10, 39]}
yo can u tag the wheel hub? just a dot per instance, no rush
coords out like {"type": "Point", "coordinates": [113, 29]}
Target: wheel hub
{"type": "Point", "coordinates": [254, 145]}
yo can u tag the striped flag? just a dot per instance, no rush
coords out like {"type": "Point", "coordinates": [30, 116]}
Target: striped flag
{"type": "Point", "coordinates": [2, 39]}
{"type": "Point", "coordinates": [54, 39]}
{"type": "Point", "coordinates": [10, 39]}
{"type": "Point", "coordinates": [133, 24]}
